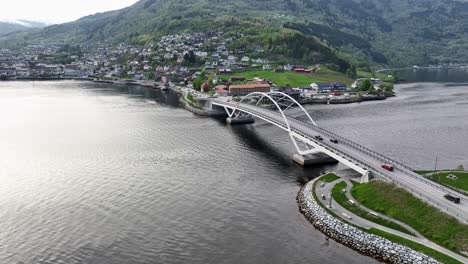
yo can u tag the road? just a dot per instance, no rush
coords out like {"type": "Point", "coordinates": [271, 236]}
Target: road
{"type": "Point", "coordinates": [357, 220]}
{"type": "Point", "coordinates": [403, 176]}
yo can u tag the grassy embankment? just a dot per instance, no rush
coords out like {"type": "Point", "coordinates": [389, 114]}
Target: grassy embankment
{"type": "Point", "coordinates": [413, 245]}
{"type": "Point", "coordinates": [441, 177]}
{"type": "Point", "coordinates": [192, 102]}
{"type": "Point", "coordinates": [330, 177]}
{"type": "Point", "coordinates": [340, 198]}
{"type": "Point", "coordinates": [387, 199]}
{"type": "Point", "coordinates": [293, 79]}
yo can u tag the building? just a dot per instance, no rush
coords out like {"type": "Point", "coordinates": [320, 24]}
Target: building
{"type": "Point", "coordinates": [303, 70]}
{"type": "Point", "coordinates": [224, 71]}
{"type": "Point", "coordinates": [221, 90]}
{"type": "Point", "coordinates": [245, 89]}
{"type": "Point", "coordinates": [329, 87]}
{"type": "Point", "coordinates": [376, 82]}
{"type": "Point", "coordinates": [237, 79]}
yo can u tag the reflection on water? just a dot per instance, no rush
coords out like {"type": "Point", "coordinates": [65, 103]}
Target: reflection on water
{"type": "Point", "coordinates": [456, 75]}
{"type": "Point", "coordinates": [93, 174]}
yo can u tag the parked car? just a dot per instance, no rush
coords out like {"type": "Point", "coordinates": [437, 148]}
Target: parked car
{"type": "Point", "coordinates": [318, 137]}
{"type": "Point", "coordinates": [334, 140]}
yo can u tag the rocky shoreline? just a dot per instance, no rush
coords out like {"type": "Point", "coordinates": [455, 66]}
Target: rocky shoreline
{"type": "Point", "coordinates": [368, 244]}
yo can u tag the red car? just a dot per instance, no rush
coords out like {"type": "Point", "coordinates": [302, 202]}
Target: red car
{"type": "Point", "coordinates": [388, 167]}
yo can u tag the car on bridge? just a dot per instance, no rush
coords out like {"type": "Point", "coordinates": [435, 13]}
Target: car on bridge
{"type": "Point", "coordinates": [388, 167]}
{"type": "Point", "coordinates": [334, 140]}
{"type": "Point", "coordinates": [318, 137]}
{"type": "Point", "coordinates": [452, 198]}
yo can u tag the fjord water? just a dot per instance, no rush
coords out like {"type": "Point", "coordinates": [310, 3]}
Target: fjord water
{"type": "Point", "coordinates": [90, 174]}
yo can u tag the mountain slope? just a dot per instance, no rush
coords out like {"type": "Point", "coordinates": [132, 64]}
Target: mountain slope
{"type": "Point", "coordinates": [395, 32]}
{"type": "Point", "coordinates": [7, 27]}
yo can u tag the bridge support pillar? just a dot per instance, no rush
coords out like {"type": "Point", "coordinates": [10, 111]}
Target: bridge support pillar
{"type": "Point", "coordinates": [240, 120]}
{"type": "Point", "coordinates": [366, 177]}
{"type": "Point", "coordinates": [313, 159]}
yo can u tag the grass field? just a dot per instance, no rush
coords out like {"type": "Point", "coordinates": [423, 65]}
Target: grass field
{"type": "Point", "coordinates": [460, 183]}
{"type": "Point", "coordinates": [295, 79]}
{"type": "Point", "coordinates": [399, 204]}
{"type": "Point", "coordinates": [341, 199]}
{"type": "Point", "coordinates": [330, 177]}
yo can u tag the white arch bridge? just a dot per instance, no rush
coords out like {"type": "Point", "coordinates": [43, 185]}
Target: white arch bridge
{"type": "Point", "coordinates": [307, 137]}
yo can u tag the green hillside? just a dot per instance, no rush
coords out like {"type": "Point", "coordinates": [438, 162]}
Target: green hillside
{"type": "Point", "coordinates": [393, 32]}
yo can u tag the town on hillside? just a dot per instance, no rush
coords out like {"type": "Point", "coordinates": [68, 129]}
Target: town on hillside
{"type": "Point", "coordinates": [202, 61]}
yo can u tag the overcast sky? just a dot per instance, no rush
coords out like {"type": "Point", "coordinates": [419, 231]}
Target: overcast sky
{"type": "Point", "coordinates": [57, 11]}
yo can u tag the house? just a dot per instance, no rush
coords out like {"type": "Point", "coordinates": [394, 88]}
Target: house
{"type": "Point", "coordinates": [245, 89]}
{"type": "Point", "coordinates": [168, 56]}
{"type": "Point", "coordinates": [205, 87]}
{"type": "Point", "coordinates": [201, 54]}
{"type": "Point", "coordinates": [294, 93]}
{"type": "Point", "coordinates": [245, 59]}
{"type": "Point", "coordinates": [260, 80]}
{"type": "Point", "coordinates": [221, 90]}
{"type": "Point", "coordinates": [329, 87]}
{"type": "Point", "coordinates": [288, 67]}
{"type": "Point", "coordinates": [375, 81]}
{"type": "Point", "coordinates": [237, 79]}
{"type": "Point", "coordinates": [258, 61]}
{"type": "Point", "coordinates": [224, 71]}
{"type": "Point", "coordinates": [267, 67]}
{"type": "Point", "coordinates": [299, 70]}
{"type": "Point", "coordinates": [339, 86]}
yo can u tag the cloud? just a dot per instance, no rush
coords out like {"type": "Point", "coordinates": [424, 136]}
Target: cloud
{"type": "Point", "coordinates": [57, 11]}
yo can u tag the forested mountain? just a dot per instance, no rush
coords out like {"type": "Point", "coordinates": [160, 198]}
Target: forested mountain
{"type": "Point", "coordinates": [393, 32]}
{"type": "Point", "coordinates": [7, 27]}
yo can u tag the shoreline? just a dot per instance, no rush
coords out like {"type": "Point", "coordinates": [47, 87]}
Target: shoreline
{"type": "Point", "coordinates": [182, 102]}
{"type": "Point", "coordinates": [151, 84]}
{"type": "Point", "coordinates": [365, 243]}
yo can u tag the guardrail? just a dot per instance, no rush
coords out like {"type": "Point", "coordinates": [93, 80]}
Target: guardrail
{"type": "Point", "coordinates": [380, 157]}
{"type": "Point", "coordinates": [271, 116]}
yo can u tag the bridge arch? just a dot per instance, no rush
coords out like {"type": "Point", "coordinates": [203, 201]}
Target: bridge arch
{"type": "Point", "coordinates": [280, 102]}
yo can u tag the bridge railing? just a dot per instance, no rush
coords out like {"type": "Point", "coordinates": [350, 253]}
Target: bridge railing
{"type": "Point", "coordinates": [366, 165]}
{"type": "Point", "coordinates": [398, 165]}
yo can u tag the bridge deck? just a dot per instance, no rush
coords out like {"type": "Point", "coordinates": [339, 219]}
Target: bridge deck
{"type": "Point", "coordinates": [370, 160]}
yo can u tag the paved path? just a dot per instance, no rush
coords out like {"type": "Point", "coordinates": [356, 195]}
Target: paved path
{"type": "Point", "coordinates": [359, 221]}
{"type": "Point", "coordinates": [407, 227]}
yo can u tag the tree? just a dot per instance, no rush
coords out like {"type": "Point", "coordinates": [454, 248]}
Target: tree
{"type": "Point", "coordinates": [197, 82]}
{"type": "Point", "coordinates": [396, 76]}
{"type": "Point", "coordinates": [387, 87]}
{"type": "Point", "coordinates": [460, 168]}
{"type": "Point", "coordinates": [210, 81]}
{"type": "Point", "coordinates": [351, 72]}
{"type": "Point", "coordinates": [190, 58]}
{"type": "Point", "coordinates": [366, 86]}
